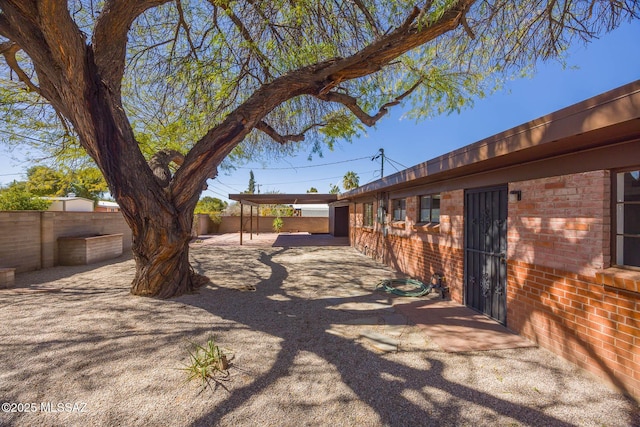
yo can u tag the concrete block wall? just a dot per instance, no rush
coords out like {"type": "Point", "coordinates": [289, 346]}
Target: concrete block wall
{"type": "Point", "coordinates": [20, 234]}
{"type": "Point", "coordinates": [104, 247]}
{"type": "Point", "coordinates": [29, 239]}
{"type": "Point", "coordinates": [319, 225]}
{"type": "Point", "coordinates": [73, 224]}
{"type": "Point", "coordinates": [87, 250]}
{"type": "Point", "coordinates": [7, 277]}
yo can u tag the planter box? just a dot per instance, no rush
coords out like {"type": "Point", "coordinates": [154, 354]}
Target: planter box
{"type": "Point", "coordinates": [7, 277]}
{"type": "Point", "coordinates": [88, 249]}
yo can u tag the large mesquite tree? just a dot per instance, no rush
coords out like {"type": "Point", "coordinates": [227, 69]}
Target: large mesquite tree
{"type": "Point", "coordinates": [143, 83]}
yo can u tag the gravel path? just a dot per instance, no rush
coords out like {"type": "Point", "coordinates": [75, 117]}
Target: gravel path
{"type": "Point", "coordinates": [74, 335]}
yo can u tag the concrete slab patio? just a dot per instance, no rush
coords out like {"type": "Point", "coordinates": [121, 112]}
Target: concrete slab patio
{"type": "Point", "coordinates": [313, 344]}
{"type": "Point", "coordinates": [272, 239]}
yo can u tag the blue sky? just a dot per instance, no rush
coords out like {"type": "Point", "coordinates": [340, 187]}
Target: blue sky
{"type": "Point", "coordinates": [604, 64]}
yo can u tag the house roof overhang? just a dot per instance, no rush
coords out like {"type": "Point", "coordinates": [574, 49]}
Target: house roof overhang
{"type": "Point", "coordinates": [606, 119]}
{"type": "Point", "coordinates": [281, 199]}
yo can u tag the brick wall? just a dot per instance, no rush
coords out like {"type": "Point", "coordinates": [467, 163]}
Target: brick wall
{"type": "Point", "coordinates": [559, 255]}
{"type": "Point", "coordinates": [417, 250]}
{"type": "Point", "coordinates": [561, 291]}
{"type": "Point", "coordinates": [579, 318]}
{"type": "Point", "coordinates": [562, 222]}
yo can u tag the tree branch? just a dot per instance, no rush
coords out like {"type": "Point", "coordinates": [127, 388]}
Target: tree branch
{"type": "Point", "coordinates": [283, 139]}
{"type": "Point", "coordinates": [20, 23]}
{"type": "Point", "coordinates": [246, 35]}
{"type": "Point", "coordinates": [110, 37]}
{"type": "Point", "coordinates": [409, 35]}
{"type": "Point", "coordinates": [183, 23]}
{"type": "Point", "coordinates": [315, 80]}
{"type": "Point", "coordinates": [159, 165]}
{"type": "Point", "coordinates": [352, 104]}
{"type": "Point", "coordinates": [8, 50]}
{"type": "Point", "coordinates": [372, 22]}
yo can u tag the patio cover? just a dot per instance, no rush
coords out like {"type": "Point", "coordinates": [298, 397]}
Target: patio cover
{"type": "Point", "coordinates": [283, 199]}
{"type": "Point", "coordinates": [278, 199]}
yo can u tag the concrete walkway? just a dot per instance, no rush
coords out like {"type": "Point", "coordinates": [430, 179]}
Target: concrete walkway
{"type": "Point", "coordinates": [271, 240]}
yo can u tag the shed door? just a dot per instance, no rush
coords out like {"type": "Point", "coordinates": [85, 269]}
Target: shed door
{"type": "Point", "coordinates": [341, 222]}
{"type": "Point", "coordinates": [485, 251]}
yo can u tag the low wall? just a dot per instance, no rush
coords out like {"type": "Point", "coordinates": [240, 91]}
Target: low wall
{"type": "Point", "coordinates": [291, 224]}
{"type": "Point", "coordinates": [29, 239]}
{"type": "Point", "coordinates": [87, 250]}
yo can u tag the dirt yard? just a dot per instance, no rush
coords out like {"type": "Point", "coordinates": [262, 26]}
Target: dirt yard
{"type": "Point", "coordinates": [307, 348]}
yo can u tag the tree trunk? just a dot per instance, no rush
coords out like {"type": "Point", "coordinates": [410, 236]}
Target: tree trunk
{"type": "Point", "coordinates": [163, 274]}
{"type": "Point", "coordinates": [161, 253]}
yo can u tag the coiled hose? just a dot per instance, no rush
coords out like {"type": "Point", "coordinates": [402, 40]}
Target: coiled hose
{"type": "Point", "coordinates": [387, 285]}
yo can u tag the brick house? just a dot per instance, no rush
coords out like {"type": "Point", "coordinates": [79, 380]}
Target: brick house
{"type": "Point", "coordinates": [537, 227]}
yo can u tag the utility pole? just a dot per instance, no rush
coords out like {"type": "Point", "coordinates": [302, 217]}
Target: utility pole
{"type": "Point", "coordinates": [258, 185]}
{"type": "Point", "coordinates": [380, 156]}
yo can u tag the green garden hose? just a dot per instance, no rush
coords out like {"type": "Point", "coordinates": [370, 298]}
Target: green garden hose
{"type": "Point", "coordinates": [387, 285]}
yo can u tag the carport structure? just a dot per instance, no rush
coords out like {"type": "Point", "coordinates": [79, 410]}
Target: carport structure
{"type": "Point", "coordinates": [276, 199]}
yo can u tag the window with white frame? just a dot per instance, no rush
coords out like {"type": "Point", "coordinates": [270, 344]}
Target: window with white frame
{"type": "Point", "coordinates": [628, 218]}
{"type": "Point", "coordinates": [367, 217]}
{"type": "Point", "coordinates": [430, 208]}
{"type": "Point", "coordinates": [399, 209]}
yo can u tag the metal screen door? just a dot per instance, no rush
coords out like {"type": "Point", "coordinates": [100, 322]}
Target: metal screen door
{"type": "Point", "coordinates": [485, 251]}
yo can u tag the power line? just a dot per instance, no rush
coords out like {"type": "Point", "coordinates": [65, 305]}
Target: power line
{"type": "Point", "coordinates": [313, 180]}
{"type": "Point", "coordinates": [306, 166]}
{"type": "Point", "coordinates": [6, 132]}
{"type": "Point", "coordinates": [398, 163]}
{"type": "Point", "coordinates": [217, 194]}
{"type": "Point", "coordinates": [216, 180]}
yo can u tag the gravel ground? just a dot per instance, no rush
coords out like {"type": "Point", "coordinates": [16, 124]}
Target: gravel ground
{"type": "Point", "coordinates": [74, 335]}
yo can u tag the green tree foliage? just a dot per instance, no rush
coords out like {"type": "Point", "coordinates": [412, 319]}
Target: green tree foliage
{"type": "Point", "coordinates": [87, 182]}
{"type": "Point", "coordinates": [350, 181]}
{"type": "Point", "coordinates": [252, 183]}
{"type": "Point", "coordinates": [312, 190]}
{"type": "Point", "coordinates": [16, 197]}
{"type": "Point", "coordinates": [276, 210]}
{"type": "Point", "coordinates": [44, 181]}
{"type": "Point", "coordinates": [334, 189]}
{"type": "Point", "coordinates": [209, 204]}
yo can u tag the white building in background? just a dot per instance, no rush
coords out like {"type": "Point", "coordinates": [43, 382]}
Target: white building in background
{"type": "Point", "coordinates": [70, 204]}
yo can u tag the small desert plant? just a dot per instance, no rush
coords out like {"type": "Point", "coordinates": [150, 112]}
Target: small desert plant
{"type": "Point", "coordinates": [277, 224]}
{"type": "Point", "coordinates": [208, 362]}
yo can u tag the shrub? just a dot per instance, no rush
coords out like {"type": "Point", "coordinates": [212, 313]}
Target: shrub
{"type": "Point", "coordinates": [207, 363]}
{"type": "Point", "coordinates": [277, 224]}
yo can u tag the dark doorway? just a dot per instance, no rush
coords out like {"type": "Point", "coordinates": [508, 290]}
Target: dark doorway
{"type": "Point", "coordinates": [485, 252]}
{"type": "Point", "coordinates": [341, 224]}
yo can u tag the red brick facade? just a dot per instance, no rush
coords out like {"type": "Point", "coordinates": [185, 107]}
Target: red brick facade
{"type": "Point", "coordinates": [561, 291]}
{"type": "Point", "coordinates": [576, 316]}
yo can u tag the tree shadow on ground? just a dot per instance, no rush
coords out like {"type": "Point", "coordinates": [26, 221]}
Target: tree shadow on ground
{"type": "Point", "coordinates": [302, 325]}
